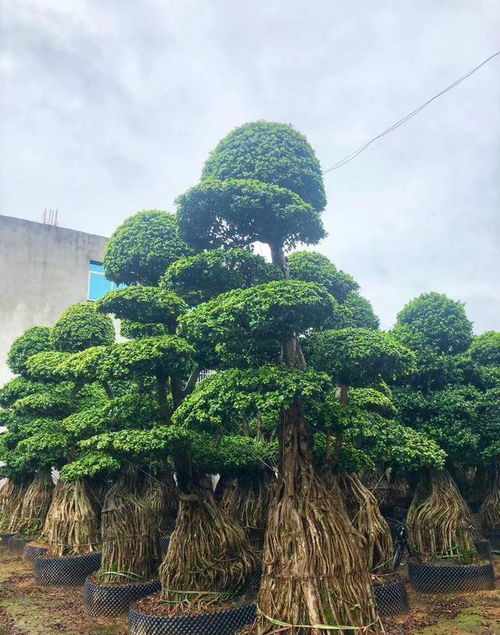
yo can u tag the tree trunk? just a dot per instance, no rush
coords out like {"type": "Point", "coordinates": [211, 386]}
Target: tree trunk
{"type": "Point", "coordinates": [247, 502]}
{"type": "Point", "coordinates": [36, 504]}
{"type": "Point", "coordinates": [366, 518]}
{"type": "Point", "coordinates": [439, 520]}
{"type": "Point", "coordinates": [208, 551]}
{"type": "Point", "coordinates": [315, 570]}
{"type": "Point", "coordinates": [71, 526]}
{"type": "Point", "coordinates": [279, 259]}
{"type": "Point", "coordinates": [490, 509]}
{"type": "Point", "coordinates": [159, 492]}
{"type": "Point", "coordinates": [161, 391]}
{"type": "Point", "coordinates": [314, 564]}
{"type": "Point", "coordinates": [12, 503]}
{"type": "Point", "coordinates": [130, 546]}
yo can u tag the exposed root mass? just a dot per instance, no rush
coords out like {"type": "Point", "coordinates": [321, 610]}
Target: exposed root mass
{"type": "Point", "coordinates": [208, 551]}
{"type": "Point", "coordinates": [315, 570]}
{"type": "Point", "coordinates": [159, 492]}
{"type": "Point", "coordinates": [439, 520]}
{"type": "Point", "coordinates": [248, 504]}
{"type": "Point", "coordinates": [366, 518]}
{"type": "Point", "coordinates": [490, 509]}
{"type": "Point", "coordinates": [130, 547]}
{"type": "Point", "coordinates": [12, 505]}
{"type": "Point", "coordinates": [71, 526]}
{"type": "Point", "coordinates": [36, 503]}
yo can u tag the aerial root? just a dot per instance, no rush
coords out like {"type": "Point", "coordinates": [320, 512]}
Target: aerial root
{"type": "Point", "coordinates": [439, 520]}
{"type": "Point", "coordinates": [130, 547]}
{"type": "Point", "coordinates": [208, 551]}
{"type": "Point", "coordinates": [366, 518]}
{"type": "Point", "coordinates": [71, 526]}
{"type": "Point", "coordinates": [490, 509]}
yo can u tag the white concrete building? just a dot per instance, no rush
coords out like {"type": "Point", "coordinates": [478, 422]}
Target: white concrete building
{"type": "Point", "coordinates": [44, 269]}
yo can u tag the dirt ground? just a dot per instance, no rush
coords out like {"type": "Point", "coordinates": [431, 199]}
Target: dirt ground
{"type": "Point", "coordinates": [28, 609]}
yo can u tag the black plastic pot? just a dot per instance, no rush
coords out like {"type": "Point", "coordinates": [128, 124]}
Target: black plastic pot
{"type": "Point", "coordinates": [16, 543]}
{"type": "Point", "coordinates": [111, 600]}
{"type": "Point", "coordinates": [431, 578]}
{"type": "Point", "coordinates": [220, 623]}
{"type": "Point", "coordinates": [392, 598]}
{"type": "Point", "coordinates": [483, 548]}
{"type": "Point", "coordinates": [4, 539]}
{"type": "Point", "coordinates": [32, 552]}
{"type": "Point", "coordinates": [65, 571]}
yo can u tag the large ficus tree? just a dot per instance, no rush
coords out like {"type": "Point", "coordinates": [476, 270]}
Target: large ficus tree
{"type": "Point", "coordinates": [251, 191]}
{"type": "Point", "coordinates": [163, 363]}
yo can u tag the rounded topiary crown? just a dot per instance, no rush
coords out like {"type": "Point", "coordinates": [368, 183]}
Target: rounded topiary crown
{"type": "Point", "coordinates": [270, 152]}
{"type": "Point", "coordinates": [80, 327]}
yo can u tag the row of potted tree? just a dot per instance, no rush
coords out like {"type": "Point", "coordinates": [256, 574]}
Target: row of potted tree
{"type": "Point", "coordinates": [308, 399]}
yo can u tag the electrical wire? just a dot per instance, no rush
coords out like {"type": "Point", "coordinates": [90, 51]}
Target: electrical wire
{"type": "Point", "coordinates": [407, 117]}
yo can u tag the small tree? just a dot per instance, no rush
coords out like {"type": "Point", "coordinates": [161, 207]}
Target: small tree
{"type": "Point", "coordinates": [71, 525]}
{"type": "Point", "coordinates": [434, 401]}
{"type": "Point", "coordinates": [27, 493]}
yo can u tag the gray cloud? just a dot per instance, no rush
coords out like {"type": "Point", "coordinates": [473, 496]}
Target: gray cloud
{"type": "Point", "coordinates": [112, 107]}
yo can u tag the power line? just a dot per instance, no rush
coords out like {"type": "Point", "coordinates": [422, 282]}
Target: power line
{"type": "Point", "coordinates": [402, 121]}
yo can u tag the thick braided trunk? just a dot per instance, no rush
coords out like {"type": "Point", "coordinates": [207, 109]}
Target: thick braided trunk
{"type": "Point", "coordinates": [490, 509]}
{"type": "Point", "coordinates": [12, 497]}
{"type": "Point", "coordinates": [159, 492]}
{"type": "Point", "coordinates": [314, 566]}
{"type": "Point", "coordinates": [130, 532]}
{"type": "Point", "coordinates": [36, 504]}
{"type": "Point", "coordinates": [439, 520]}
{"type": "Point", "coordinates": [208, 551]}
{"type": "Point", "coordinates": [71, 526]}
{"type": "Point", "coordinates": [247, 502]}
{"type": "Point", "coordinates": [366, 518]}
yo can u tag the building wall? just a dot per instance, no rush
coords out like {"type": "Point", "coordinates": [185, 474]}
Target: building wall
{"type": "Point", "coordinates": [43, 270]}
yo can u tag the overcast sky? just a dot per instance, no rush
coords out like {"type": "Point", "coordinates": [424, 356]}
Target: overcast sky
{"type": "Point", "coordinates": [112, 107]}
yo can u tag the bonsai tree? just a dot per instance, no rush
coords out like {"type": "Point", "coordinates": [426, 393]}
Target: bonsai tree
{"type": "Point", "coordinates": [234, 206]}
{"type": "Point", "coordinates": [435, 400]}
{"type": "Point", "coordinates": [144, 310]}
{"type": "Point", "coordinates": [27, 492]}
{"type": "Point", "coordinates": [71, 525]}
{"type": "Point", "coordinates": [359, 361]}
{"type": "Point", "coordinates": [130, 526]}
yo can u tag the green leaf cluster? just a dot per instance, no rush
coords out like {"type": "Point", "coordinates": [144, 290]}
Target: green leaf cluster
{"type": "Point", "coordinates": [204, 276]}
{"type": "Point", "coordinates": [270, 152]}
{"type": "Point", "coordinates": [249, 326]}
{"type": "Point", "coordinates": [165, 356]}
{"type": "Point", "coordinates": [311, 266]}
{"type": "Point", "coordinates": [142, 248]}
{"type": "Point", "coordinates": [435, 321]}
{"type": "Point", "coordinates": [236, 213]}
{"type": "Point", "coordinates": [32, 341]}
{"type": "Point", "coordinates": [149, 305]}
{"type": "Point", "coordinates": [358, 357]}
{"type": "Point", "coordinates": [80, 327]}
